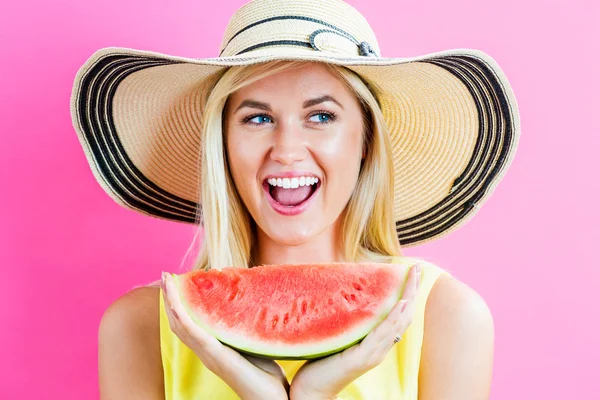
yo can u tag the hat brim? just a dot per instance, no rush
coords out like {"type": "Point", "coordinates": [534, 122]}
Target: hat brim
{"type": "Point", "coordinates": [452, 116]}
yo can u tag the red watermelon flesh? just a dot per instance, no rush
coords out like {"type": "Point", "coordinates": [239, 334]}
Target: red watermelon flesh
{"type": "Point", "coordinates": [292, 311]}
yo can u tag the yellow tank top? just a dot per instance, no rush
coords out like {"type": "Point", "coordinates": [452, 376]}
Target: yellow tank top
{"type": "Point", "coordinates": [185, 377]}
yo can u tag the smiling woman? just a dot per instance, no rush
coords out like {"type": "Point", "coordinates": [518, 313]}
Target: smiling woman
{"type": "Point", "coordinates": [310, 121]}
{"type": "Point", "coordinates": [296, 143]}
{"type": "Point", "coordinates": [312, 149]}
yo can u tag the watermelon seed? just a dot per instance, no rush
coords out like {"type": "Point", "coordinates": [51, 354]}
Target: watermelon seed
{"type": "Point", "coordinates": [352, 297]}
{"type": "Point", "coordinates": [304, 307]}
{"type": "Point", "coordinates": [232, 296]}
{"type": "Point", "coordinates": [346, 297]}
{"type": "Point", "coordinates": [275, 320]}
{"type": "Point", "coordinates": [263, 314]}
{"type": "Point", "coordinates": [285, 319]}
{"type": "Point", "coordinates": [357, 286]}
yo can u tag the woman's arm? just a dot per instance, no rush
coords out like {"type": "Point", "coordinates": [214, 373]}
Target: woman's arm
{"type": "Point", "coordinates": [458, 344]}
{"type": "Point", "coordinates": [129, 359]}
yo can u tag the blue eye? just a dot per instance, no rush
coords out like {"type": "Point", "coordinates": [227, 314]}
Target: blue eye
{"type": "Point", "coordinates": [258, 119]}
{"type": "Point", "coordinates": [322, 118]}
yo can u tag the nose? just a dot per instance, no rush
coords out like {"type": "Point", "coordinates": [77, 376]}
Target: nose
{"type": "Point", "coordinates": [289, 145]}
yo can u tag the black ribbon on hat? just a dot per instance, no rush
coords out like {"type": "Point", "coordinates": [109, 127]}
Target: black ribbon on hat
{"type": "Point", "coordinates": [364, 48]}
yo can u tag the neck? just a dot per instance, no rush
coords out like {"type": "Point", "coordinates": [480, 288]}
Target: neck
{"type": "Point", "coordinates": [324, 248]}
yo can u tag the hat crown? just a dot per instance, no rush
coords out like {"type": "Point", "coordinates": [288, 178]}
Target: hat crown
{"type": "Point", "coordinates": [331, 26]}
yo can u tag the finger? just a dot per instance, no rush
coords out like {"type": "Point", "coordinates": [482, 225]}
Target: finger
{"type": "Point", "coordinates": [395, 323]}
{"type": "Point", "coordinates": [375, 346]}
{"type": "Point", "coordinates": [412, 283]}
{"type": "Point", "coordinates": [175, 311]}
{"type": "Point", "coordinates": [250, 372]}
{"type": "Point", "coordinates": [168, 309]}
{"type": "Point", "coordinates": [270, 367]}
{"type": "Point", "coordinates": [373, 349]}
{"type": "Point", "coordinates": [220, 359]}
{"type": "Point", "coordinates": [183, 317]}
{"type": "Point", "coordinates": [172, 315]}
{"type": "Point", "coordinates": [397, 315]}
{"type": "Point", "coordinates": [266, 365]}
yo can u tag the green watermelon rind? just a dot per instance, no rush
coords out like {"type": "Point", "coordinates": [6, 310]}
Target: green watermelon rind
{"type": "Point", "coordinates": [353, 337]}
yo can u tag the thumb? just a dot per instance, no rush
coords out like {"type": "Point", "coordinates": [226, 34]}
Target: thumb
{"type": "Point", "coordinates": [269, 366]}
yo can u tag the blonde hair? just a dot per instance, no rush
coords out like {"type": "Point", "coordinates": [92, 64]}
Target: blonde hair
{"type": "Point", "coordinates": [368, 229]}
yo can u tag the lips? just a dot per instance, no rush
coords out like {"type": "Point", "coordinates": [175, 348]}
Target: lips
{"type": "Point", "coordinates": [290, 201]}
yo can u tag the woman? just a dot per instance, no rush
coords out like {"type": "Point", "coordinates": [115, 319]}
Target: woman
{"type": "Point", "coordinates": [331, 157]}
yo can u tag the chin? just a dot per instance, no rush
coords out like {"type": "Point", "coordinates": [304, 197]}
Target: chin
{"type": "Point", "coordinates": [291, 235]}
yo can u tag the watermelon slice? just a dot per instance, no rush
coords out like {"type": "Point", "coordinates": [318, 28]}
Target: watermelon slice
{"type": "Point", "coordinates": [292, 312]}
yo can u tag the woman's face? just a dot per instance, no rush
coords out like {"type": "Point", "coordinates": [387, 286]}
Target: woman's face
{"type": "Point", "coordinates": [294, 142]}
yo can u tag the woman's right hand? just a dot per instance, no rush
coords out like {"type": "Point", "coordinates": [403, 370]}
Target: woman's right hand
{"type": "Point", "coordinates": [250, 377]}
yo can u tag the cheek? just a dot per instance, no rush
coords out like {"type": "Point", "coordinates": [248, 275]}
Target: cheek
{"type": "Point", "coordinates": [342, 153]}
{"type": "Point", "coordinates": [243, 163]}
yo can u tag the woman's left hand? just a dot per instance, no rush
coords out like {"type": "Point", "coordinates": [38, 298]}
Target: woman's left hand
{"type": "Point", "coordinates": [325, 378]}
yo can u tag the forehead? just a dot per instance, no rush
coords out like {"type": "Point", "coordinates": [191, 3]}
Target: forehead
{"type": "Point", "coordinates": [307, 80]}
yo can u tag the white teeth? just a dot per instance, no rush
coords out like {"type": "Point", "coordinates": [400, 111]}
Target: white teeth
{"type": "Point", "coordinates": [293, 183]}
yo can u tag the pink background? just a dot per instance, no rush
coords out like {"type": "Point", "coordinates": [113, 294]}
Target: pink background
{"type": "Point", "coordinates": [67, 250]}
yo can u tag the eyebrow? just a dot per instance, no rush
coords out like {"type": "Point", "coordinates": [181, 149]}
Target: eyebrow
{"type": "Point", "coordinates": [308, 103]}
{"type": "Point", "coordinates": [254, 104]}
{"type": "Point", "coordinates": [319, 100]}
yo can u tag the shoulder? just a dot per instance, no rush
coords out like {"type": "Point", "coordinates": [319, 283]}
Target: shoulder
{"type": "Point", "coordinates": [458, 342]}
{"type": "Point", "coordinates": [129, 356]}
{"type": "Point", "coordinates": [136, 309]}
{"type": "Point", "coordinates": [452, 301]}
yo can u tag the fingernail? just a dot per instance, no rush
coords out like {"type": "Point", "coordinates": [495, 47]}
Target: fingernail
{"type": "Point", "coordinates": [403, 307]}
{"type": "Point", "coordinates": [174, 313]}
{"type": "Point", "coordinates": [164, 283]}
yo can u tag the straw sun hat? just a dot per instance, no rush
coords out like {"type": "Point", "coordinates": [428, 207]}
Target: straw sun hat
{"type": "Point", "coordinates": [452, 115]}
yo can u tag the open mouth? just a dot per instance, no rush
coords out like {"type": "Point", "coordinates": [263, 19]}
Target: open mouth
{"type": "Point", "coordinates": [291, 196]}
